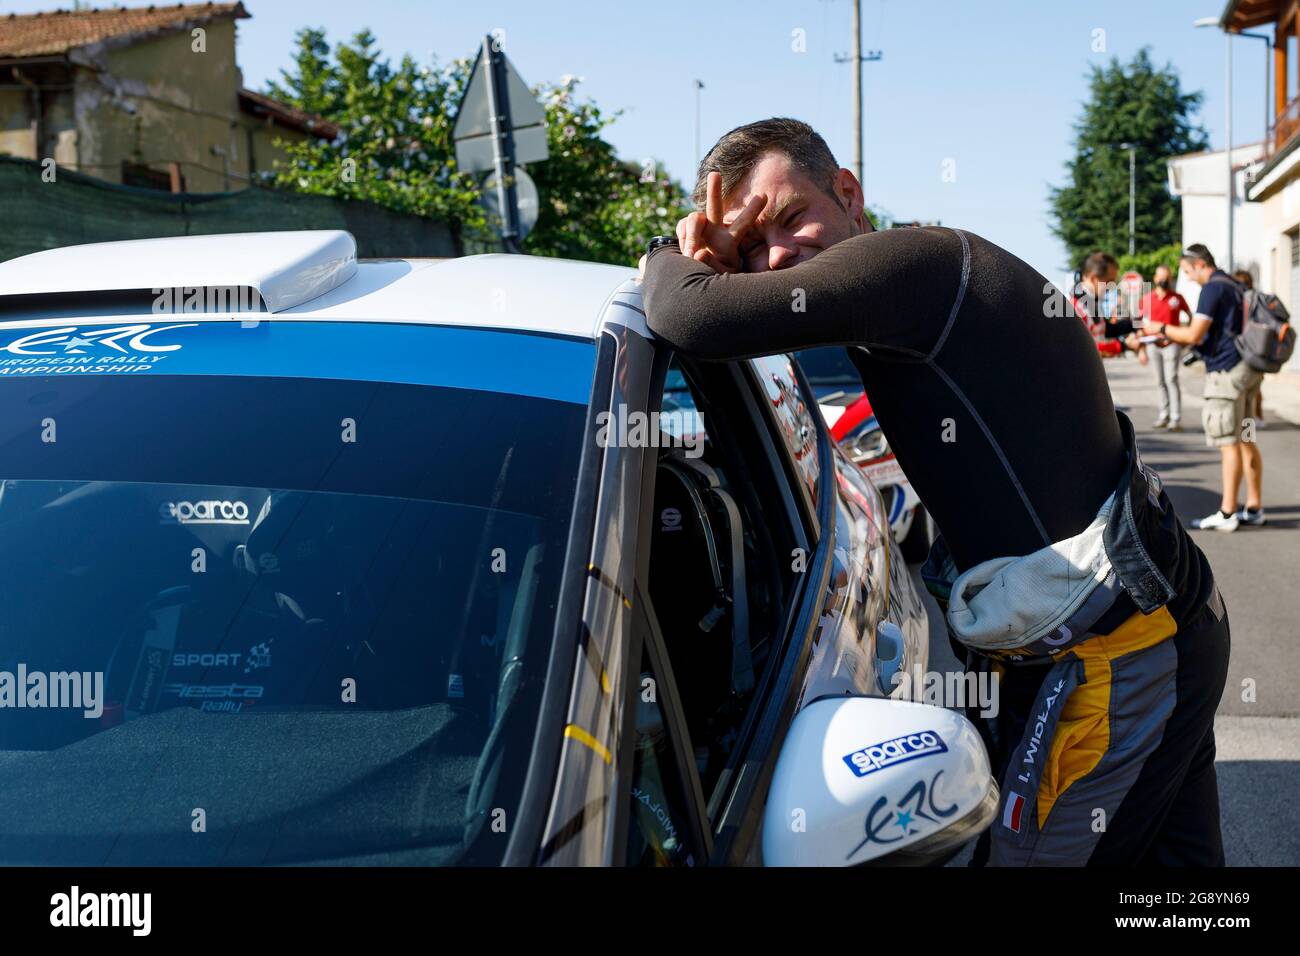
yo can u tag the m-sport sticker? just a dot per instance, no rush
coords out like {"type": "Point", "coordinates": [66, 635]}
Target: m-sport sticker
{"type": "Point", "coordinates": [513, 363]}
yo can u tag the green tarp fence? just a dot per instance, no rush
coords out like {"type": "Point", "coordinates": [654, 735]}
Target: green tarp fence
{"type": "Point", "coordinates": [36, 215]}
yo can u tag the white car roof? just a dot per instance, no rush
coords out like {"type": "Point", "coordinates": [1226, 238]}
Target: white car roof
{"type": "Point", "coordinates": [315, 275]}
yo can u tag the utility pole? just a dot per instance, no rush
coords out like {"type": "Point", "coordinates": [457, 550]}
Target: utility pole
{"type": "Point", "coordinates": [1227, 123]}
{"type": "Point", "coordinates": [857, 89]}
{"type": "Point", "coordinates": [1132, 195]}
{"type": "Point", "coordinates": [699, 85]}
{"type": "Point", "coordinates": [1228, 146]}
{"type": "Point", "coordinates": [857, 59]}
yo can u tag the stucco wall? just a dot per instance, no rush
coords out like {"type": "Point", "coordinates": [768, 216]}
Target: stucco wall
{"type": "Point", "coordinates": [263, 148]}
{"type": "Point", "coordinates": [1205, 218]}
{"type": "Point", "coordinates": [159, 101]}
{"type": "Point", "coordinates": [58, 125]}
{"type": "Point", "coordinates": [151, 101]}
{"type": "Point", "coordinates": [16, 135]}
{"type": "Point", "coordinates": [1280, 216]}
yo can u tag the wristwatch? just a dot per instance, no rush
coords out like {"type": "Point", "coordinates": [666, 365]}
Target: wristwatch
{"type": "Point", "coordinates": [659, 241]}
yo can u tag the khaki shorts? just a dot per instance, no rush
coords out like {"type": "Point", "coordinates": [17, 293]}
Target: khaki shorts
{"type": "Point", "coordinates": [1230, 399]}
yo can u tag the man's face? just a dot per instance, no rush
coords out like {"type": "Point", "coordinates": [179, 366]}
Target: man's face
{"type": "Point", "coordinates": [800, 219]}
{"type": "Point", "coordinates": [1195, 269]}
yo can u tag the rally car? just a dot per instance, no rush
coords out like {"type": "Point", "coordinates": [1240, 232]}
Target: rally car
{"type": "Point", "coordinates": [312, 560]}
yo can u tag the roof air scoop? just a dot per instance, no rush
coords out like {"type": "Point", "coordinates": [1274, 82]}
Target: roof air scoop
{"type": "Point", "coordinates": [286, 269]}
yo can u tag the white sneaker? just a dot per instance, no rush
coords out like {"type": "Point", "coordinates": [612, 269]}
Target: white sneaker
{"type": "Point", "coordinates": [1256, 519]}
{"type": "Point", "coordinates": [1215, 521]}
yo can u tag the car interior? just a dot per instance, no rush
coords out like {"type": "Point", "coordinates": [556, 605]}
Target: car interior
{"type": "Point", "coordinates": [320, 587]}
{"type": "Point", "coordinates": [716, 585]}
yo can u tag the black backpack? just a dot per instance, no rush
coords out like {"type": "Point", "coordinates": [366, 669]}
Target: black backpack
{"type": "Point", "coordinates": [1266, 340]}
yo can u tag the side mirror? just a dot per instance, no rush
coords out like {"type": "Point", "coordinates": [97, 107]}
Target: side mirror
{"type": "Point", "coordinates": [871, 780]}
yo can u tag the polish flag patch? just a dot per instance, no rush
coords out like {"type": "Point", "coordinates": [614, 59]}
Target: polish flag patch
{"type": "Point", "coordinates": [1012, 811]}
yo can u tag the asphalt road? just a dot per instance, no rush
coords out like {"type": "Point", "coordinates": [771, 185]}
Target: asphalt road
{"type": "Point", "coordinates": [1258, 570]}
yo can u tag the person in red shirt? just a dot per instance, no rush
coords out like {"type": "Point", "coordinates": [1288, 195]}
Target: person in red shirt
{"type": "Point", "coordinates": [1165, 306]}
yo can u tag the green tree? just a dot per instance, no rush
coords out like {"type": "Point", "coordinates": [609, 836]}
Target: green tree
{"type": "Point", "coordinates": [593, 205]}
{"type": "Point", "coordinates": [395, 148]}
{"type": "Point", "coordinates": [1145, 262]}
{"type": "Point", "coordinates": [1139, 104]}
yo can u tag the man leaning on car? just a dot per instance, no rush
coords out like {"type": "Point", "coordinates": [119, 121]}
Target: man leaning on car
{"type": "Point", "coordinates": [1002, 419]}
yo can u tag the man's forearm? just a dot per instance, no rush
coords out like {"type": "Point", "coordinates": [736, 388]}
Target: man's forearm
{"type": "Point", "coordinates": [894, 289]}
{"type": "Point", "coordinates": [1181, 335]}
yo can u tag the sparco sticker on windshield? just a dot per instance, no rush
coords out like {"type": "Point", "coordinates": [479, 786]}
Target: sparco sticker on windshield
{"type": "Point", "coordinates": [887, 753]}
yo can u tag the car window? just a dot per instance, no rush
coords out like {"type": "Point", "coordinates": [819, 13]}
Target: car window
{"type": "Point", "coordinates": [794, 418]}
{"type": "Point", "coordinates": [830, 367]}
{"type": "Point", "coordinates": [719, 565]}
{"type": "Point", "coordinates": [658, 830]}
{"type": "Point", "coordinates": [308, 599]}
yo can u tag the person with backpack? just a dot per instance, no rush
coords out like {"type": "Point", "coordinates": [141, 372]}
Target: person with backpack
{"type": "Point", "coordinates": [1248, 283]}
{"type": "Point", "coordinates": [1231, 386]}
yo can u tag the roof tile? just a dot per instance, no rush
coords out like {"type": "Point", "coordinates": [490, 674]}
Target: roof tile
{"type": "Point", "coordinates": [57, 32]}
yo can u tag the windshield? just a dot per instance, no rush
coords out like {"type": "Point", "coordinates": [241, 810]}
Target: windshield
{"type": "Point", "coordinates": [305, 617]}
{"type": "Point", "coordinates": [830, 366]}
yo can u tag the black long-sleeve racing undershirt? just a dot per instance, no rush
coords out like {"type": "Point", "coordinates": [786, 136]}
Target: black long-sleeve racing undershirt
{"type": "Point", "coordinates": [985, 382]}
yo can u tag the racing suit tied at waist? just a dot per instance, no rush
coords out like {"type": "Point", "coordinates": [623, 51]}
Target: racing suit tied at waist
{"type": "Point", "coordinates": [1102, 701]}
{"type": "Point", "coordinates": [1039, 604]}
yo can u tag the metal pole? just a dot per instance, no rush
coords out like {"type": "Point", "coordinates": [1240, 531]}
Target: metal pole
{"type": "Point", "coordinates": [1132, 198]}
{"type": "Point", "coordinates": [1228, 148]}
{"type": "Point", "coordinates": [503, 145]}
{"type": "Point", "coordinates": [698, 86]}
{"type": "Point", "coordinates": [857, 89]}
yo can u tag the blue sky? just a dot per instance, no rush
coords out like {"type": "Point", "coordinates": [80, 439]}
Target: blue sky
{"type": "Point", "coordinates": [994, 87]}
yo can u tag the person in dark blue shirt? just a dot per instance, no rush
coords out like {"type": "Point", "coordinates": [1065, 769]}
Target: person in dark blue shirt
{"type": "Point", "coordinates": [1231, 388]}
{"type": "Point", "coordinates": [1220, 302]}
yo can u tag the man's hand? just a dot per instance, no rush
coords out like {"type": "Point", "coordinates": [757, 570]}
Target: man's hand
{"type": "Point", "coordinates": [704, 237]}
{"type": "Point", "coordinates": [1157, 328]}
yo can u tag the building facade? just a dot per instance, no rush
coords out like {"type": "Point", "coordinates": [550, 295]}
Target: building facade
{"type": "Point", "coordinates": [1199, 182]}
{"type": "Point", "coordinates": [146, 96]}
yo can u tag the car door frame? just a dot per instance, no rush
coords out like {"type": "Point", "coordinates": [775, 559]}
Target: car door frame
{"type": "Point", "coordinates": [738, 829]}
{"type": "Point", "coordinates": [733, 834]}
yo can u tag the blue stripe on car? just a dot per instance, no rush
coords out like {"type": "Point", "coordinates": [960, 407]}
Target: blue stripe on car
{"type": "Point", "coordinates": [516, 363]}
